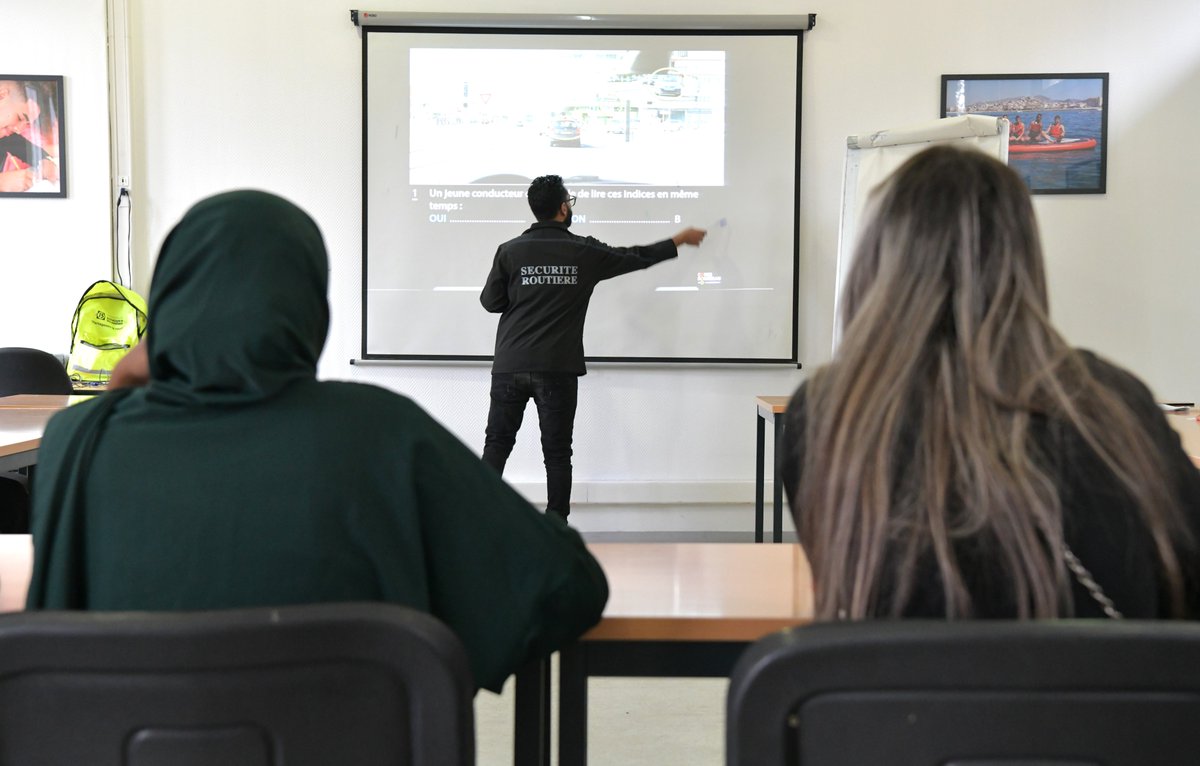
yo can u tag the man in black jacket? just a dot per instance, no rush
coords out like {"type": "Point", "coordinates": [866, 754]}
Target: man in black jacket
{"type": "Point", "coordinates": [540, 284]}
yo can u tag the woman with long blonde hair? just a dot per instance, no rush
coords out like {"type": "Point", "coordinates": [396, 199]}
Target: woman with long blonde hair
{"type": "Point", "coordinates": [957, 458]}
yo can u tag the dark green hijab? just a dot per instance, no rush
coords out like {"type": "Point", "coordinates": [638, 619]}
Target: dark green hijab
{"type": "Point", "coordinates": [237, 304]}
{"type": "Point", "coordinates": [237, 312]}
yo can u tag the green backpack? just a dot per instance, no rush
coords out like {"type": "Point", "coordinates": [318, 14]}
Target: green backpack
{"type": "Point", "coordinates": [109, 320]}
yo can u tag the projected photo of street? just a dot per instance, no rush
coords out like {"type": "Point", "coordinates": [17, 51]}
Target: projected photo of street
{"type": "Point", "coordinates": [502, 116]}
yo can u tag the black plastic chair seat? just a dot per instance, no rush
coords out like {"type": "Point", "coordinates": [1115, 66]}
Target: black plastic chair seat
{"type": "Point", "coordinates": [30, 371]}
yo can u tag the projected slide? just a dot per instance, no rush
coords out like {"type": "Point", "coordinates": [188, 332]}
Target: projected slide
{"type": "Point", "coordinates": [475, 119]}
{"type": "Point", "coordinates": [652, 133]}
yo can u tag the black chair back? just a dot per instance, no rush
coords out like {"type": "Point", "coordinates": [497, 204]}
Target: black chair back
{"type": "Point", "coordinates": [30, 371]}
{"type": "Point", "coordinates": [363, 684]}
{"type": "Point", "coordinates": [969, 693]}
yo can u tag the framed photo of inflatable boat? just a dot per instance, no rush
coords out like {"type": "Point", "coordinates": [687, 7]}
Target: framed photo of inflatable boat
{"type": "Point", "coordinates": [1058, 124]}
{"type": "Point", "coordinates": [33, 159]}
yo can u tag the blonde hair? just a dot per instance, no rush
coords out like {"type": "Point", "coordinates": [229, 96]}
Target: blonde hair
{"type": "Point", "coordinates": [919, 433]}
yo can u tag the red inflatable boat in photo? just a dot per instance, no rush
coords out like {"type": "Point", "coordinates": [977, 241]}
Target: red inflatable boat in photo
{"type": "Point", "coordinates": [1066, 145]}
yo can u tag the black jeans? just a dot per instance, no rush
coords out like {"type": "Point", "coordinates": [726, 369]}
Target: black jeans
{"type": "Point", "coordinates": [555, 395]}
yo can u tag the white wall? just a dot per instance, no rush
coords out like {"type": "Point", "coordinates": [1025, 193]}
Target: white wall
{"type": "Point", "coordinates": [52, 249]}
{"type": "Point", "coordinates": [228, 93]}
{"type": "Point", "coordinates": [1123, 265]}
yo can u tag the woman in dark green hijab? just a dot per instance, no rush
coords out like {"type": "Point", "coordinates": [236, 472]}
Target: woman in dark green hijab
{"type": "Point", "coordinates": [235, 478]}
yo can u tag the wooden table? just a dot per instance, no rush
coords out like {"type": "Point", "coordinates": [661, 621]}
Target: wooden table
{"type": "Point", "coordinates": [23, 418]}
{"type": "Point", "coordinates": [1188, 429]}
{"type": "Point", "coordinates": [773, 407]}
{"type": "Point", "coordinates": [16, 566]}
{"type": "Point", "coordinates": [675, 610]}
{"type": "Point", "coordinates": [39, 401]}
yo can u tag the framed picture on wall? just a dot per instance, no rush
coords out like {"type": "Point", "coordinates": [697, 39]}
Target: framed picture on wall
{"type": "Point", "coordinates": [33, 150]}
{"type": "Point", "coordinates": [1058, 124]}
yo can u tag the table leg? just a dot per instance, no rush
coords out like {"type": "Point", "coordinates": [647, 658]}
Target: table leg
{"type": "Point", "coordinates": [759, 476]}
{"type": "Point", "coordinates": [777, 500]}
{"type": "Point", "coordinates": [572, 706]}
{"type": "Point", "coordinates": [531, 720]}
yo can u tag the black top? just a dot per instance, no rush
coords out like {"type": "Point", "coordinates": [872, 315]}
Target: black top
{"type": "Point", "coordinates": [1102, 524]}
{"type": "Point", "coordinates": [541, 283]}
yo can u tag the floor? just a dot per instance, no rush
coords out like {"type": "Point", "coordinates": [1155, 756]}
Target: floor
{"type": "Point", "coordinates": [631, 722]}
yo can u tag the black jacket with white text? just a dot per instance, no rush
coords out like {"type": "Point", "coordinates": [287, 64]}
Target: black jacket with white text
{"type": "Point", "coordinates": [541, 283]}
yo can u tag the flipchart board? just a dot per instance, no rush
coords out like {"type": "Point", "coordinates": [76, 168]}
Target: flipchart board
{"type": "Point", "coordinates": [872, 157]}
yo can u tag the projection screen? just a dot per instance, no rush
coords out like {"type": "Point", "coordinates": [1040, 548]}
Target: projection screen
{"type": "Point", "coordinates": [653, 128]}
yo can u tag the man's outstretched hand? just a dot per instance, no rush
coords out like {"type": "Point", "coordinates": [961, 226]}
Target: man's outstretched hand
{"type": "Point", "coordinates": [689, 236]}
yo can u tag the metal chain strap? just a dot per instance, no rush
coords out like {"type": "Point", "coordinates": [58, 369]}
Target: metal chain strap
{"type": "Point", "coordinates": [1084, 578]}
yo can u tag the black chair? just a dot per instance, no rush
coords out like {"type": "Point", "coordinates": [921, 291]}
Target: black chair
{"type": "Point", "coordinates": [971, 693]}
{"type": "Point", "coordinates": [362, 684]}
{"type": "Point", "coordinates": [30, 371]}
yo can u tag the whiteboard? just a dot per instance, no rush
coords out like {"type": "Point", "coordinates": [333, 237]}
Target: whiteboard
{"type": "Point", "coordinates": [872, 157]}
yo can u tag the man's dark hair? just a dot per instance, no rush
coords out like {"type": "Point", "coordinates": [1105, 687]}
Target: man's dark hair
{"type": "Point", "coordinates": [546, 194]}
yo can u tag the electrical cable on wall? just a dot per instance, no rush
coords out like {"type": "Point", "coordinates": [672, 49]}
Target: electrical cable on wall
{"type": "Point", "coordinates": [124, 249]}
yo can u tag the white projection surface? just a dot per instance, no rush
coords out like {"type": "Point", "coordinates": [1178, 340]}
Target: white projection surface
{"type": "Point", "coordinates": [652, 133]}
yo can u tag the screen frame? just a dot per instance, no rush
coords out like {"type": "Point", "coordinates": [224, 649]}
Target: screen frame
{"type": "Point", "coordinates": [609, 25]}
